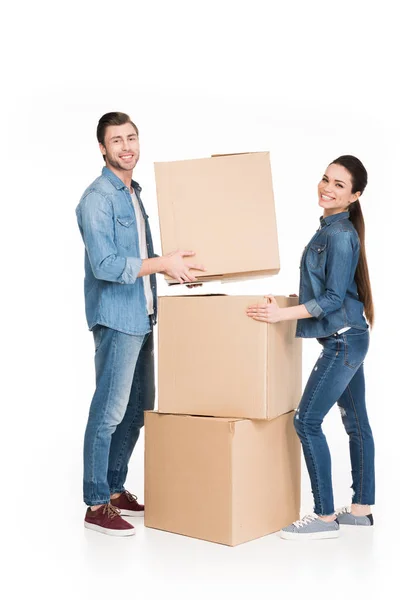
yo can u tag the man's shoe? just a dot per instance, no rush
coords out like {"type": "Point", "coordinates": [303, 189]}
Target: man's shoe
{"type": "Point", "coordinates": [346, 517]}
{"type": "Point", "coordinates": [311, 527]}
{"type": "Point", "coordinates": [107, 519]}
{"type": "Point", "coordinates": [128, 505]}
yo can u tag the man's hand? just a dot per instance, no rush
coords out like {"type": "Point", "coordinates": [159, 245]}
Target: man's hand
{"type": "Point", "coordinates": [175, 266]}
{"type": "Point", "coordinates": [267, 312]}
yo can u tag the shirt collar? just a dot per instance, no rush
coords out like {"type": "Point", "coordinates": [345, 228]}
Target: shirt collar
{"type": "Point", "coordinates": [117, 182]}
{"type": "Point", "coordinates": [333, 218]}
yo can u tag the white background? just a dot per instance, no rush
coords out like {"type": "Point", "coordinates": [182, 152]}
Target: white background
{"type": "Point", "coordinates": [307, 81]}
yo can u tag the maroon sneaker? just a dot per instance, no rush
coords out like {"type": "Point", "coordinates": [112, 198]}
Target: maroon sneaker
{"type": "Point", "coordinates": [128, 505]}
{"type": "Point", "coordinates": [107, 519]}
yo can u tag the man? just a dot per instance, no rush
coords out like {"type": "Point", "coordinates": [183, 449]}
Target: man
{"type": "Point", "coordinates": [121, 310]}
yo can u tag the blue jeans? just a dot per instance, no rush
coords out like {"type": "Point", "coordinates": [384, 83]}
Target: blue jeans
{"type": "Point", "coordinates": [338, 376]}
{"type": "Point", "coordinates": [124, 390]}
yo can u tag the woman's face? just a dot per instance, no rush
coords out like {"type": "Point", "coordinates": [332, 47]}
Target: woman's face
{"type": "Point", "coordinates": [334, 190]}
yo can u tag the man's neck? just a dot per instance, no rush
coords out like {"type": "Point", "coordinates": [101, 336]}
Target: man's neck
{"type": "Point", "coordinates": [124, 176]}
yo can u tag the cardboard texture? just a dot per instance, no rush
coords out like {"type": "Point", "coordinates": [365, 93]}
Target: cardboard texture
{"type": "Point", "coordinates": [222, 480]}
{"type": "Point", "coordinates": [223, 209]}
{"type": "Point", "coordinates": [214, 360]}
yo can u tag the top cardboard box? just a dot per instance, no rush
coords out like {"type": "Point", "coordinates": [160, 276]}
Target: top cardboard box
{"type": "Point", "coordinates": [223, 209]}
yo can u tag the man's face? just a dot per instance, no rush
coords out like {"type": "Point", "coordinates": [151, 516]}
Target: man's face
{"type": "Point", "coordinates": [121, 147]}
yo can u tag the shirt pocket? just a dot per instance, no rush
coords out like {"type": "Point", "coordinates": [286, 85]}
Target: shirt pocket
{"type": "Point", "coordinates": [125, 231]}
{"type": "Point", "coordinates": [316, 255]}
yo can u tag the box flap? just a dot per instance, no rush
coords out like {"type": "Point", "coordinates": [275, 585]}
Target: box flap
{"type": "Point", "coordinates": [239, 153]}
{"type": "Point", "coordinates": [175, 416]}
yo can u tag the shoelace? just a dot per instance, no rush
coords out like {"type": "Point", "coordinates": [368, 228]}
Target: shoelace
{"type": "Point", "coordinates": [343, 510]}
{"type": "Point", "coordinates": [112, 511]}
{"type": "Point", "coordinates": [131, 497]}
{"type": "Point", "coordinates": [305, 520]}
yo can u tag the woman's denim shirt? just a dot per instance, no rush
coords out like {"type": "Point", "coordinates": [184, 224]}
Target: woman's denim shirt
{"type": "Point", "coordinates": [327, 285]}
{"type": "Point", "coordinates": [114, 295]}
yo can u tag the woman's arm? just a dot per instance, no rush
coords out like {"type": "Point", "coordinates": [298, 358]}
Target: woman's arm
{"type": "Point", "coordinates": [342, 250]}
{"type": "Point", "coordinates": [339, 270]}
{"type": "Point", "coordinates": [270, 312]}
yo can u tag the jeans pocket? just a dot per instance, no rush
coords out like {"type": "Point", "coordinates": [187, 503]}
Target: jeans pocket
{"type": "Point", "coordinates": [355, 348]}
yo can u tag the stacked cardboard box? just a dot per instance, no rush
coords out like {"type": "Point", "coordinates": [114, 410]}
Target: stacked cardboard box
{"type": "Point", "coordinates": [223, 209]}
{"type": "Point", "coordinates": [222, 460]}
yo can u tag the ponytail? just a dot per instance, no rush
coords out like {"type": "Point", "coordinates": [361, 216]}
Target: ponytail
{"type": "Point", "coordinates": [362, 273]}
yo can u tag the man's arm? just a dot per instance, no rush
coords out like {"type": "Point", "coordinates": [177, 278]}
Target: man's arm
{"type": "Point", "coordinates": [173, 265]}
{"type": "Point", "coordinates": [98, 234]}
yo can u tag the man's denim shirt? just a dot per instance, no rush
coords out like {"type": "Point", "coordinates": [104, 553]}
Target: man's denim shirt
{"type": "Point", "coordinates": [327, 286]}
{"type": "Point", "coordinates": [114, 294]}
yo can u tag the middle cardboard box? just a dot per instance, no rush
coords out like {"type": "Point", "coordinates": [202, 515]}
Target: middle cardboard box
{"type": "Point", "coordinates": [216, 361]}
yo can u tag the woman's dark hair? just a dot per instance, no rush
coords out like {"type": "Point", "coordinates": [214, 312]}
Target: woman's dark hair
{"type": "Point", "coordinates": [359, 179]}
{"type": "Point", "coordinates": [112, 118]}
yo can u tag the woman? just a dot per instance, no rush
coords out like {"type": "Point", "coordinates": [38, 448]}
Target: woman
{"type": "Point", "coordinates": [335, 293]}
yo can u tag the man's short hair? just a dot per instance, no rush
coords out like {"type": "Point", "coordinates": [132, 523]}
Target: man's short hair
{"type": "Point", "coordinates": [112, 118]}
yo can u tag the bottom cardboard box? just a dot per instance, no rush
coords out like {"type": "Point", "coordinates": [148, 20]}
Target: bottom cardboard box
{"type": "Point", "coordinates": [220, 479]}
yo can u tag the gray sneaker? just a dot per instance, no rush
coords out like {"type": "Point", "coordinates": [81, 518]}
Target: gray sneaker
{"type": "Point", "coordinates": [310, 527]}
{"type": "Point", "coordinates": [345, 517]}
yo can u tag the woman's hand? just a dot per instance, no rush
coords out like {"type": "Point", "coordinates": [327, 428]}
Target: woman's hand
{"type": "Point", "coordinates": [267, 312]}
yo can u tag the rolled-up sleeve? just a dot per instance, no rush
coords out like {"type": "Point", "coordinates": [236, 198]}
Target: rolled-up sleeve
{"type": "Point", "coordinates": [97, 226]}
{"type": "Point", "coordinates": [313, 308]}
{"type": "Point", "coordinates": [341, 254]}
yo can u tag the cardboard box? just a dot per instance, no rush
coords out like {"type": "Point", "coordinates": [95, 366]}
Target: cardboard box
{"type": "Point", "coordinates": [215, 360]}
{"type": "Point", "coordinates": [222, 480]}
{"type": "Point", "coordinates": [223, 209]}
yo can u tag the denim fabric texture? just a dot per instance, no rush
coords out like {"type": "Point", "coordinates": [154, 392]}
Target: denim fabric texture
{"type": "Point", "coordinates": [124, 390]}
{"type": "Point", "coordinates": [327, 286]}
{"type": "Point", "coordinates": [114, 295]}
{"type": "Point", "coordinates": [338, 377]}
{"type": "Point", "coordinates": [116, 312]}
